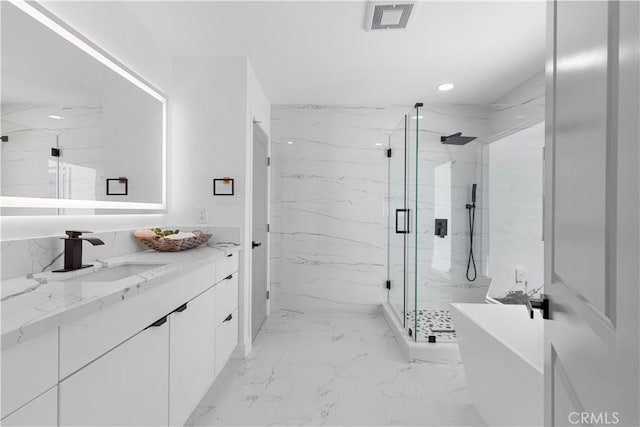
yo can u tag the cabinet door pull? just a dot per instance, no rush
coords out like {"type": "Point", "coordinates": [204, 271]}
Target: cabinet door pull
{"type": "Point", "coordinates": [161, 321]}
{"type": "Point", "coordinates": [229, 317]}
{"type": "Point", "coordinates": [229, 255]}
{"type": "Point", "coordinates": [229, 277]}
{"type": "Point", "coordinates": [180, 309]}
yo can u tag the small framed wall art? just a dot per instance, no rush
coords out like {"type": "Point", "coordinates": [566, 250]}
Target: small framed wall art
{"type": "Point", "coordinates": [223, 186]}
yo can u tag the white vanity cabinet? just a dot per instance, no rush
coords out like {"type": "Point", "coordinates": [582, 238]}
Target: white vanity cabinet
{"type": "Point", "coordinates": [226, 320]}
{"type": "Point", "coordinates": [146, 360]}
{"type": "Point", "coordinates": [126, 386]}
{"type": "Point", "coordinates": [41, 412]}
{"type": "Point", "coordinates": [29, 369]}
{"type": "Point", "coordinates": [192, 329]}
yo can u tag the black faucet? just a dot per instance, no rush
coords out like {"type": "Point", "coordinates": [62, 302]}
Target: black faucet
{"type": "Point", "coordinates": [73, 250]}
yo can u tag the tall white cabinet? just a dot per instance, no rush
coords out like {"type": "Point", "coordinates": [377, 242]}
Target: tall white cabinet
{"type": "Point", "coordinates": [191, 355]}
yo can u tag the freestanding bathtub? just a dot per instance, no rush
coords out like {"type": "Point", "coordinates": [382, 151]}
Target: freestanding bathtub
{"type": "Point", "coordinates": [502, 353]}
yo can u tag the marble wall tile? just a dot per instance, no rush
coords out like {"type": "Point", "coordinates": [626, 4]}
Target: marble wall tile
{"type": "Point", "coordinates": [30, 256]}
{"type": "Point", "coordinates": [329, 219]}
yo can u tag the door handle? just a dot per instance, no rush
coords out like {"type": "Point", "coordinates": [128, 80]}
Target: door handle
{"type": "Point", "coordinates": [229, 317]}
{"type": "Point", "coordinates": [541, 304]}
{"type": "Point", "coordinates": [405, 221]}
{"type": "Point", "coordinates": [255, 244]}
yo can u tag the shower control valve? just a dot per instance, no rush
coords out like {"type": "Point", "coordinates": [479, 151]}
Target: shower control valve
{"type": "Point", "coordinates": [441, 227]}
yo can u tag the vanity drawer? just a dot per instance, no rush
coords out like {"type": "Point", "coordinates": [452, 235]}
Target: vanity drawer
{"type": "Point", "coordinates": [226, 341]}
{"type": "Point", "coordinates": [226, 265]}
{"type": "Point", "coordinates": [87, 338]}
{"type": "Point", "coordinates": [41, 412]}
{"type": "Point", "coordinates": [29, 369]}
{"type": "Point", "coordinates": [226, 297]}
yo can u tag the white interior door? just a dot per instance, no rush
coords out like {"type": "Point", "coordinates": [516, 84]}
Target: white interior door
{"type": "Point", "coordinates": [260, 242]}
{"type": "Point", "coordinates": [591, 214]}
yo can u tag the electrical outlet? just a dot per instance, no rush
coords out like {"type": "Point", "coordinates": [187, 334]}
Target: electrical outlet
{"type": "Point", "coordinates": [203, 215]}
{"type": "Point", "coordinates": [521, 275]}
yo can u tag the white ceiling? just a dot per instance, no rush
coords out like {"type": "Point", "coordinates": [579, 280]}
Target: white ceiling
{"type": "Point", "coordinates": [309, 52]}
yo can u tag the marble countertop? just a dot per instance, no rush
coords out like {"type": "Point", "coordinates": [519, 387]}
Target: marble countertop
{"type": "Point", "coordinates": [37, 303]}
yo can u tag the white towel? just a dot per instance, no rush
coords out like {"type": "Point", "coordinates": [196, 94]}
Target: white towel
{"type": "Point", "coordinates": [180, 236]}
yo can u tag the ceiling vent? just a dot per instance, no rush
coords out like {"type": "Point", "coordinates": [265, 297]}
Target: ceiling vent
{"type": "Point", "coordinates": [385, 16]}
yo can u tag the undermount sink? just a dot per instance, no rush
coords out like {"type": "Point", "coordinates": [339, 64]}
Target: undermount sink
{"type": "Point", "coordinates": [111, 274]}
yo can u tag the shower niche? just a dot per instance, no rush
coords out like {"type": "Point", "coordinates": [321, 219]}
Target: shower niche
{"type": "Point", "coordinates": [433, 258]}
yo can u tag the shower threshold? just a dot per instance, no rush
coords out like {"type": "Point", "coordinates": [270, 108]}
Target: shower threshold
{"type": "Point", "coordinates": [432, 326]}
{"type": "Point", "coordinates": [440, 351]}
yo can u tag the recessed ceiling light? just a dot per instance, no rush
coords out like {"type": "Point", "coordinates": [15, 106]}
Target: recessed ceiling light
{"type": "Point", "coordinates": [445, 87]}
{"type": "Point", "coordinates": [290, 142]}
{"type": "Point", "coordinates": [54, 117]}
{"type": "Point", "coordinates": [378, 144]}
{"type": "Point", "coordinates": [419, 117]}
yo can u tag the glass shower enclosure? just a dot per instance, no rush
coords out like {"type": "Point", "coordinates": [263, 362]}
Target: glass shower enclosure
{"type": "Point", "coordinates": [429, 230]}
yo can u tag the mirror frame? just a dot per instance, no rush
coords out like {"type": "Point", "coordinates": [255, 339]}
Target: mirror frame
{"type": "Point", "coordinates": [53, 23]}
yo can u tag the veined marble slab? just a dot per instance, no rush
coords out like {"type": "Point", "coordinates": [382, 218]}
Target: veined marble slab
{"type": "Point", "coordinates": [39, 302]}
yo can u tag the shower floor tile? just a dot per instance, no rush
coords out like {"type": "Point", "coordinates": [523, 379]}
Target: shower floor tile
{"type": "Point", "coordinates": [433, 323]}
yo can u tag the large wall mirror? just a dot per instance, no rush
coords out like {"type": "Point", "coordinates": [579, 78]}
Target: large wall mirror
{"type": "Point", "coordinates": [80, 132]}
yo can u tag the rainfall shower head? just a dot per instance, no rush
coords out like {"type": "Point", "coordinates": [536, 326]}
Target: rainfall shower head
{"type": "Point", "coordinates": [456, 139]}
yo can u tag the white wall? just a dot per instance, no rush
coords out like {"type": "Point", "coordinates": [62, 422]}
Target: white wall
{"type": "Point", "coordinates": [208, 111]}
{"type": "Point", "coordinates": [521, 107]}
{"type": "Point", "coordinates": [213, 104]}
{"type": "Point", "coordinates": [515, 210]}
{"type": "Point", "coordinates": [108, 25]}
{"type": "Point", "coordinates": [514, 119]}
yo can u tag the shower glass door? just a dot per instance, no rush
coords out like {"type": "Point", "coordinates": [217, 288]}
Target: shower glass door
{"type": "Point", "coordinates": [402, 199]}
{"type": "Point", "coordinates": [412, 174]}
{"type": "Point", "coordinates": [430, 186]}
{"type": "Point", "coordinates": [398, 221]}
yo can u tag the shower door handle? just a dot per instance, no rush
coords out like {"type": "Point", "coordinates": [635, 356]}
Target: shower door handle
{"type": "Point", "coordinates": [402, 216]}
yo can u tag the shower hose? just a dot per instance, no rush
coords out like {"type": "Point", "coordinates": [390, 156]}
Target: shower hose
{"type": "Point", "coordinates": [471, 262]}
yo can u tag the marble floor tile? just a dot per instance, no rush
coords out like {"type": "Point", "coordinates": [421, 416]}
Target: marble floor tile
{"type": "Point", "coordinates": [334, 370]}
